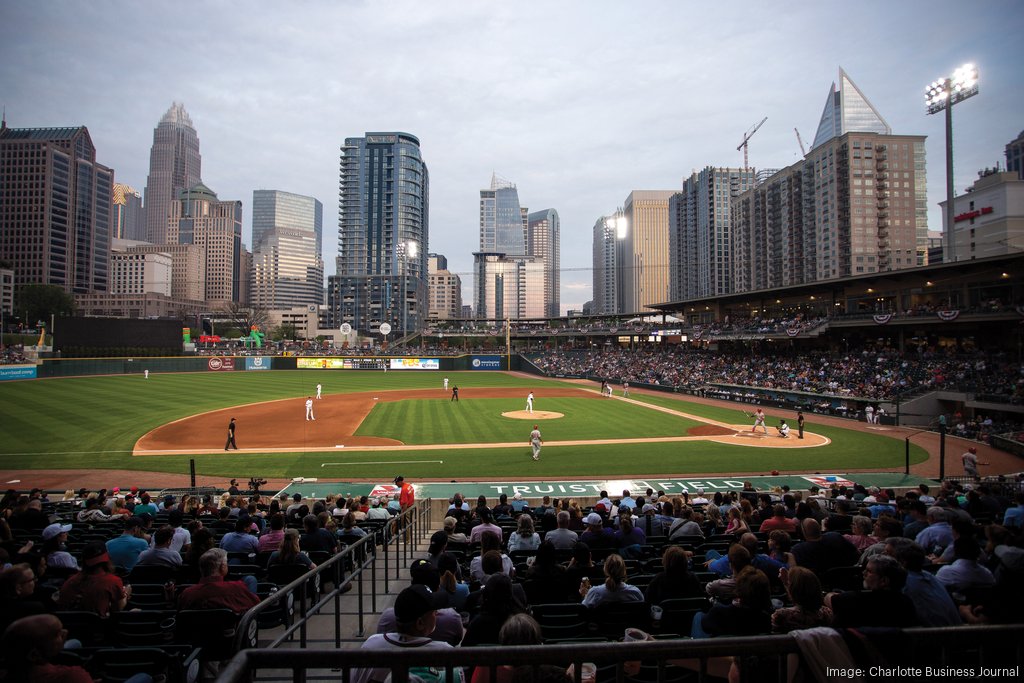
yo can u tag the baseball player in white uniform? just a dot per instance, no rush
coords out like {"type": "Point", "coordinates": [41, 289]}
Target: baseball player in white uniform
{"type": "Point", "coordinates": [446, 384]}
{"type": "Point", "coordinates": [318, 390]}
{"type": "Point", "coordinates": [529, 402]}
{"type": "Point", "coordinates": [869, 412]}
{"type": "Point", "coordinates": [759, 421]}
{"type": "Point", "coordinates": [536, 442]}
{"type": "Point", "coordinates": [309, 409]}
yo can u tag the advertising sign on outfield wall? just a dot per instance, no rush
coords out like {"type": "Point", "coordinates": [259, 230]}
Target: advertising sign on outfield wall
{"type": "Point", "coordinates": [257, 363]}
{"type": "Point", "coordinates": [221, 363]}
{"type": "Point", "coordinates": [341, 363]}
{"type": "Point", "coordinates": [486, 363]}
{"type": "Point", "coordinates": [415, 364]}
{"type": "Point", "coordinates": [17, 372]}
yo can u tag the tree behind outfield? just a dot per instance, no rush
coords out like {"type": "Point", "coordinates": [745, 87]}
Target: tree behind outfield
{"type": "Point", "coordinates": [39, 302]}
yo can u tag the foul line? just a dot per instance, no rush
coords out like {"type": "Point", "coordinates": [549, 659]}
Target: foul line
{"type": "Point", "coordinates": [385, 462]}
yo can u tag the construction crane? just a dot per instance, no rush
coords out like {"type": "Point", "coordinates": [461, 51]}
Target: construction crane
{"type": "Point", "coordinates": [746, 138]}
{"type": "Point", "coordinates": [801, 141]}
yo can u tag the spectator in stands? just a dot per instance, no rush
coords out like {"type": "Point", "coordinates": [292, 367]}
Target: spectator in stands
{"type": "Point", "coordinates": [214, 592]}
{"type": "Point", "coordinates": [436, 548]}
{"type": "Point", "coordinates": [596, 535]}
{"type": "Point", "coordinates": [17, 595]}
{"type": "Point", "coordinates": [458, 508]}
{"type": "Point", "coordinates": [54, 548]}
{"type": "Point", "coordinates": [861, 537]}
{"type": "Point", "coordinates": [524, 537]}
{"type": "Point", "coordinates": [182, 538]}
{"type": "Point", "coordinates": [627, 500]}
{"type": "Point", "coordinates": [614, 588]}
{"type": "Point", "coordinates": [518, 629]}
{"type": "Point", "coordinates": [454, 536]}
{"type": "Point", "coordinates": [713, 523]}
{"type": "Point", "coordinates": [317, 539]}
{"type": "Point", "coordinates": [684, 525]}
{"type": "Point", "coordinates": [485, 526]}
{"type": "Point", "coordinates": [736, 526]}
{"type": "Point", "coordinates": [125, 549]}
{"type": "Point", "coordinates": [349, 531]}
{"type": "Point", "coordinates": [779, 520]}
{"type": "Point", "coordinates": [30, 647]}
{"type": "Point", "coordinates": [498, 603]}
{"type": "Point", "coordinates": [749, 614]}
{"type": "Point", "coordinates": [804, 590]}
{"type": "Point", "coordinates": [582, 566]}
{"type": "Point", "coordinates": [289, 553]}
{"type": "Point", "coordinates": [96, 588]}
{"type": "Point", "coordinates": [161, 554]}
{"type": "Point", "coordinates": [881, 603]}
{"type": "Point", "coordinates": [415, 619]}
{"type": "Point", "coordinates": [458, 590]}
{"type": "Point", "coordinates": [271, 538]}
{"type": "Point", "coordinates": [931, 600]}
{"type": "Point", "coordinates": [546, 579]}
{"type": "Point", "coordinates": [240, 540]}
{"type": "Point", "coordinates": [489, 543]}
{"type": "Point", "coordinates": [674, 580]}
{"type": "Point", "coordinates": [1013, 518]}
{"type": "Point", "coordinates": [449, 627]}
{"type": "Point", "coordinates": [629, 538]}
{"type": "Point", "coordinates": [502, 509]}
{"type": "Point", "coordinates": [518, 504]}
{"type": "Point", "coordinates": [820, 552]}
{"type": "Point", "coordinates": [938, 534]}
{"type": "Point", "coordinates": [376, 512]}
{"type": "Point", "coordinates": [93, 512]}
{"type": "Point", "coordinates": [145, 507]}
{"type": "Point", "coordinates": [965, 572]}
{"type": "Point", "coordinates": [916, 519]}
{"type": "Point", "coordinates": [29, 516]}
{"type": "Point", "coordinates": [883, 528]}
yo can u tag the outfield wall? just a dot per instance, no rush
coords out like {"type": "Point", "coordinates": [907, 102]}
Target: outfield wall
{"type": "Point", "coordinates": [74, 367]}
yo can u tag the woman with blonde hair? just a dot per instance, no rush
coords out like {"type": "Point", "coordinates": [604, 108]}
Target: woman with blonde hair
{"type": "Point", "coordinates": [614, 589]}
{"type": "Point", "coordinates": [809, 608]}
{"type": "Point", "coordinates": [713, 523]}
{"type": "Point", "coordinates": [737, 526]}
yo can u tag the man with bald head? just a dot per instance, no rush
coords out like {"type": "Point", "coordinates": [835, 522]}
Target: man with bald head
{"type": "Point", "coordinates": [31, 643]}
{"type": "Point", "coordinates": [820, 552]}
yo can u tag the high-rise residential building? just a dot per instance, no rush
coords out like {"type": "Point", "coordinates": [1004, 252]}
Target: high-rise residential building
{"type": "Point", "coordinates": [445, 290]}
{"type": "Point", "coordinates": [129, 218]}
{"type": "Point", "coordinates": [274, 210]}
{"type": "Point", "coordinates": [605, 263]}
{"type": "Point", "coordinates": [287, 270]}
{"type": "Point", "coordinates": [543, 241]}
{"type": "Point", "coordinates": [503, 222]}
{"type": "Point", "coordinates": [1015, 156]}
{"type": "Point", "coordinates": [7, 291]}
{"type": "Point", "coordinates": [383, 214]}
{"type": "Point", "coordinates": [55, 215]}
{"type": "Point", "coordinates": [174, 165]}
{"type": "Point", "coordinates": [988, 219]}
{"type": "Point", "coordinates": [508, 287]}
{"type": "Point", "coordinates": [215, 226]}
{"type": "Point", "coordinates": [856, 204]}
{"type": "Point", "coordinates": [699, 250]}
{"type": "Point", "coordinates": [642, 260]}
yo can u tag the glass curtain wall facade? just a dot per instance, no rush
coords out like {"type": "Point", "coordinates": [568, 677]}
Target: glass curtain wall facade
{"type": "Point", "coordinates": [643, 261]}
{"type": "Point", "coordinates": [383, 230]}
{"type": "Point", "coordinates": [174, 165]}
{"type": "Point", "coordinates": [273, 209]}
{"type": "Point", "coordinates": [544, 242]}
{"type": "Point", "coordinates": [503, 222]}
{"type": "Point", "coordinates": [129, 217]}
{"type": "Point", "coordinates": [288, 270]}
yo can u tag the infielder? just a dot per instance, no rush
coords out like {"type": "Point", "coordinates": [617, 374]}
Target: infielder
{"type": "Point", "coordinates": [529, 402]}
{"type": "Point", "coordinates": [318, 390]}
{"type": "Point", "coordinates": [625, 389]}
{"type": "Point", "coordinates": [446, 384]}
{"type": "Point", "coordinates": [758, 420]}
{"type": "Point", "coordinates": [309, 409]}
{"type": "Point", "coordinates": [536, 441]}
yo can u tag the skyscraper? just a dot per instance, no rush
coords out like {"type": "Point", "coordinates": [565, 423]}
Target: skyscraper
{"type": "Point", "coordinates": [543, 237]}
{"type": "Point", "coordinates": [129, 216]}
{"type": "Point", "coordinates": [508, 287]}
{"type": "Point", "coordinates": [215, 226]}
{"type": "Point", "coordinates": [503, 221]}
{"type": "Point", "coordinates": [605, 261]}
{"type": "Point", "coordinates": [288, 270]}
{"type": "Point", "coordinates": [55, 200]}
{"type": "Point", "coordinates": [1015, 156]}
{"type": "Point", "coordinates": [642, 260]}
{"type": "Point", "coordinates": [174, 165]}
{"type": "Point", "coordinates": [383, 214]}
{"type": "Point", "coordinates": [847, 109]}
{"type": "Point", "coordinates": [699, 257]}
{"type": "Point", "coordinates": [445, 290]}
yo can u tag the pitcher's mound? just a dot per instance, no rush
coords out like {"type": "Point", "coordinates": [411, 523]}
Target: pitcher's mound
{"type": "Point", "coordinates": [535, 415]}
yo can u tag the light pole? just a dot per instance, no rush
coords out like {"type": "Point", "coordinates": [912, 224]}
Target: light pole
{"type": "Point", "coordinates": [943, 94]}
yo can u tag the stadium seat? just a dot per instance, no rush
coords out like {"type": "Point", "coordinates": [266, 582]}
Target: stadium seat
{"type": "Point", "coordinates": [87, 627]}
{"type": "Point", "coordinates": [843, 578]}
{"type": "Point", "coordinates": [141, 628]}
{"type": "Point", "coordinates": [677, 614]}
{"type": "Point", "coordinates": [612, 618]}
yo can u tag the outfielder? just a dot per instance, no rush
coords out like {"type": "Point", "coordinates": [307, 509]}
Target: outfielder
{"type": "Point", "coordinates": [309, 409]}
{"type": "Point", "coordinates": [529, 402]}
{"type": "Point", "coordinates": [536, 441]}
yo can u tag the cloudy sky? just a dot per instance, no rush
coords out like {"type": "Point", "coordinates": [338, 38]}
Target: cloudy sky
{"type": "Point", "coordinates": [576, 102]}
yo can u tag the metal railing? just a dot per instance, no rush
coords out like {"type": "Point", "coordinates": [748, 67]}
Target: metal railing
{"type": "Point", "coordinates": [757, 658]}
{"type": "Point", "coordinates": [347, 570]}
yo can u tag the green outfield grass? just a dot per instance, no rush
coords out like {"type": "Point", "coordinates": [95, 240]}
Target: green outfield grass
{"type": "Point", "coordinates": [94, 422]}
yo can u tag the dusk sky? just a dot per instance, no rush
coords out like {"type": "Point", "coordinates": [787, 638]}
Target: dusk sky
{"type": "Point", "coordinates": [578, 103]}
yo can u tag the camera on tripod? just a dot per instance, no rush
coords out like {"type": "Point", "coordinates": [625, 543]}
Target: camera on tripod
{"type": "Point", "coordinates": [255, 483]}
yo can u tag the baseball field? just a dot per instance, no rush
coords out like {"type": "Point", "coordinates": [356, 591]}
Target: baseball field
{"type": "Point", "coordinates": [370, 424]}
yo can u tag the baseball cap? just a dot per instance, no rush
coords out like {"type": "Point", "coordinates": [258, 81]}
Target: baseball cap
{"type": "Point", "coordinates": [413, 602]}
{"type": "Point", "coordinates": [648, 508]}
{"type": "Point", "coordinates": [601, 507]}
{"type": "Point", "coordinates": [423, 573]}
{"type": "Point", "coordinates": [438, 539]}
{"type": "Point", "coordinates": [399, 478]}
{"type": "Point", "coordinates": [594, 519]}
{"type": "Point", "coordinates": [55, 530]}
{"type": "Point", "coordinates": [972, 449]}
{"type": "Point", "coordinates": [700, 490]}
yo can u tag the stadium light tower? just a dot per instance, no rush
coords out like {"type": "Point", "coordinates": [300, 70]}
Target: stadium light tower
{"type": "Point", "coordinates": [943, 94]}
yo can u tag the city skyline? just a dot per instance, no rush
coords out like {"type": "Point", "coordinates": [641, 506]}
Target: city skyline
{"type": "Point", "coordinates": [578, 123]}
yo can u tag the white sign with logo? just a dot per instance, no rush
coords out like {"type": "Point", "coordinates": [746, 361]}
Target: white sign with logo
{"type": "Point", "coordinates": [385, 328]}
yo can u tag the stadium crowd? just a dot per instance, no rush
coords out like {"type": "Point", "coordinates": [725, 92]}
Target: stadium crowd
{"type": "Point", "coordinates": [866, 374]}
{"type": "Point", "coordinates": [741, 562]}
